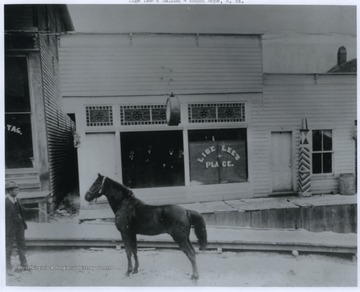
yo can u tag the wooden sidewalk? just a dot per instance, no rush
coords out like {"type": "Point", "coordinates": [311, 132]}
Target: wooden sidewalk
{"type": "Point", "coordinates": [318, 213]}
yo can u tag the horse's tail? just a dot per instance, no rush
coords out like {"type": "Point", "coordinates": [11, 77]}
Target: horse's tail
{"type": "Point", "coordinates": [198, 222]}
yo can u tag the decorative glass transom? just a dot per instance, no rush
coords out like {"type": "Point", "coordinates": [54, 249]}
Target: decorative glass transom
{"type": "Point", "coordinates": [216, 113]}
{"type": "Point", "coordinates": [99, 116]}
{"type": "Point", "coordinates": [143, 115]}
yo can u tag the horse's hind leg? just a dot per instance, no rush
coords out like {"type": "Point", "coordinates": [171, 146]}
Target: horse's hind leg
{"type": "Point", "coordinates": [128, 255]}
{"type": "Point", "coordinates": [187, 248]}
{"type": "Point", "coordinates": [128, 250]}
{"type": "Point", "coordinates": [134, 252]}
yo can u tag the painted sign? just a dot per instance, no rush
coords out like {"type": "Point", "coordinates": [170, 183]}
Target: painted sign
{"type": "Point", "coordinates": [218, 162]}
{"type": "Point", "coordinates": [14, 129]}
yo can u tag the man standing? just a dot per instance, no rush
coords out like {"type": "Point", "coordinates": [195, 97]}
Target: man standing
{"type": "Point", "coordinates": [15, 226]}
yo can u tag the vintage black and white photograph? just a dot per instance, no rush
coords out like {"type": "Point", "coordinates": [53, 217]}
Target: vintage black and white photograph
{"type": "Point", "coordinates": [180, 143]}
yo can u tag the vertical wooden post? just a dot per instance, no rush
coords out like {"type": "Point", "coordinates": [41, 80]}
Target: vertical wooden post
{"type": "Point", "coordinates": [304, 161]}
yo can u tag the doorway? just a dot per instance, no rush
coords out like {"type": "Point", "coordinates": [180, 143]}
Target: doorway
{"type": "Point", "coordinates": [281, 162]}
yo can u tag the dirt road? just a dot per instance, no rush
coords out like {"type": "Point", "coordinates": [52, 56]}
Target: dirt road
{"type": "Point", "coordinates": [106, 267]}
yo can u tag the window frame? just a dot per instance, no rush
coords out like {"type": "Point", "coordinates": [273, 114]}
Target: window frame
{"type": "Point", "coordinates": [29, 113]}
{"type": "Point", "coordinates": [177, 179]}
{"type": "Point", "coordinates": [322, 151]}
{"type": "Point", "coordinates": [215, 139]}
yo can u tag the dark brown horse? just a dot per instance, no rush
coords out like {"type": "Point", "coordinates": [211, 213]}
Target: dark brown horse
{"type": "Point", "coordinates": [132, 217]}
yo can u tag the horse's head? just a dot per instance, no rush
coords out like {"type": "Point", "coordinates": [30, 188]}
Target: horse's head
{"type": "Point", "coordinates": [96, 189]}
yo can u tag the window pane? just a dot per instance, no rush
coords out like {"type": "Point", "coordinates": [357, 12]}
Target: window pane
{"type": "Point", "coordinates": [18, 141]}
{"type": "Point", "coordinates": [327, 140]}
{"type": "Point", "coordinates": [316, 163]}
{"type": "Point", "coordinates": [218, 156]}
{"type": "Point", "coordinates": [232, 161]}
{"type": "Point", "coordinates": [152, 159]}
{"type": "Point", "coordinates": [16, 85]}
{"type": "Point", "coordinates": [327, 163]}
{"type": "Point", "coordinates": [203, 113]}
{"type": "Point", "coordinates": [204, 164]}
{"type": "Point", "coordinates": [317, 145]}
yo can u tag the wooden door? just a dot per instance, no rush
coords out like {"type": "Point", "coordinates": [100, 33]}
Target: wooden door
{"type": "Point", "coordinates": [99, 156]}
{"type": "Point", "coordinates": [281, 163]}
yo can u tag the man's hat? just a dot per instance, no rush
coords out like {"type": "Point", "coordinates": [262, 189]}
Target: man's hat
{"type": "Point", "coordinates": [11, 185]}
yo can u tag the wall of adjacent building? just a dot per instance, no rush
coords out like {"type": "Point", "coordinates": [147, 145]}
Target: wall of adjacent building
{"type": "Point", "coordinates": [327, 101]}
{"type": "Point", "coordinates": [123, 69]}
{"type": "Point", "coordinates": [59, 127]}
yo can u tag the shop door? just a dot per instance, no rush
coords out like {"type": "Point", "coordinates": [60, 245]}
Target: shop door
{"type": "Point", "coordinates": [99, 157]}
{"type": "Point", "coordinates": [281, 163]}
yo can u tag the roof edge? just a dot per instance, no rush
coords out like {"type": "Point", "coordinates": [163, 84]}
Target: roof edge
{"type": "Point", "coordinates": [65, 16]}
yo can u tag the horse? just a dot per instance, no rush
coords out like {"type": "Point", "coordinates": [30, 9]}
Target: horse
{"type": "Point", "coordinates": [132, 217]}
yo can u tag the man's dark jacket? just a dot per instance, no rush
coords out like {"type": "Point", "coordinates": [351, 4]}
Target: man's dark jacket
{"type": "Point", "coordinates": [14, 215]}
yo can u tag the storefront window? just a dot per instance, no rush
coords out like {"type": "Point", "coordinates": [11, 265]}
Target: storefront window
{"type": "Point", "coordinates": [18, 134]}
{"type": "Point", "coordinates": [152, 159]}
{"type": "Point", "coordinates": [218, 156]}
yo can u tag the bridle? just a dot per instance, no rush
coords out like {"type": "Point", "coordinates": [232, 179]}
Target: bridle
{"type": "Point", "coordinates": [102, 185]}
{"type": "Point", "coordinates": [99, 191]}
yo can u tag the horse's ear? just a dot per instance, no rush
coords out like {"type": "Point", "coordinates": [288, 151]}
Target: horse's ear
{"type": "Point", "coordinates": [99, 175]}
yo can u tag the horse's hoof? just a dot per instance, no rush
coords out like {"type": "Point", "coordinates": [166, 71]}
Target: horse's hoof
{"type": "Point", "coordinates": [194, 277]}
{"type": "Point", "coordinates": [127, 274]}
{"type": "Point", "coordinates": [135, 271]}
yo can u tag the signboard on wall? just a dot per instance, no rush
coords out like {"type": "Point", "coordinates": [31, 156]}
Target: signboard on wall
{"type": "Point", "coordinates": [218, 162]}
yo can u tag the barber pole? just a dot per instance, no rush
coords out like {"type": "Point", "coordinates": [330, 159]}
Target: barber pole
{"type": "Point", "coordinates": [304, 162]}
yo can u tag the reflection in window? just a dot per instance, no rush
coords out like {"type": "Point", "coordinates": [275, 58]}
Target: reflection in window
{"type": "Point", "coordinates": [152, 159]}
{"type": "Point", "coordinates": [322, 151]}
{"type": "Point", "coordinates": [18, 134]}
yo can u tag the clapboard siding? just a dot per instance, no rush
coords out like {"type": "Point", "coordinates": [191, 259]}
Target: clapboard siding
{"type": "Point", "coordinates": [117, 65]}
{"type": "Point", "coordinates": [109, 69]}
{"type": "Point", "coordinates": [327, 101]}
{"type": "Point", "coordinates": [260, 157]}
{"type": "Point", "coordinates": [59, 126]}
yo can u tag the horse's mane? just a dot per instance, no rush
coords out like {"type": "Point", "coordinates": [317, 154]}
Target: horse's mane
{"type": "Point", "coordinates": [125, 190]}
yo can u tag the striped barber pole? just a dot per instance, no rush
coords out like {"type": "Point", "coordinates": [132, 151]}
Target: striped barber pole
{"type": "Point", "coordinates": [304, 165]}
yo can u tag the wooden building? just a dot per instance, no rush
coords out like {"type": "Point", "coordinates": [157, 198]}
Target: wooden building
{"type": "Point", "coordinates": [39, 151]}
{"type": "Point", "coordinates": [240, 129]}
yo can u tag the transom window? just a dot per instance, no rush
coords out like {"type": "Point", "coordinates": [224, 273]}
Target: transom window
{"type": "Point", "coordinates": [322, 155]}
{"type": "Point", "coordinates": [143, 115]}
{"type": "Point", "coordinates": [216, 113]}
{"type": "Point", "coordinates": [99, 116]}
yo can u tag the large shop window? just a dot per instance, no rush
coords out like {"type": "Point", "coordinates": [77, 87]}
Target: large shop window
{"type": "Point", "coordinates": [218, 156]}
{"type": "Point", "coordinates": [152, 159]}
{"type": "Point", "coordinates": [322, 144]}
{"type": "Point", "coordinates": [18, 134]}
